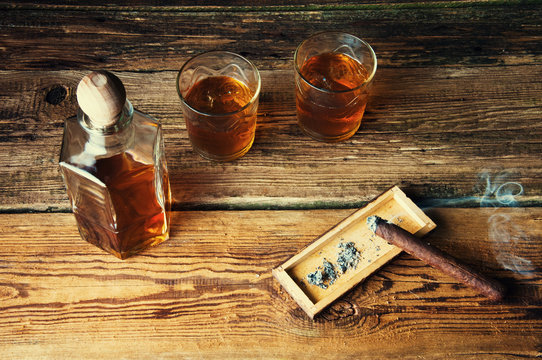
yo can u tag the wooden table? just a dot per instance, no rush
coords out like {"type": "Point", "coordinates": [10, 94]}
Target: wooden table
{"type": "Point", "coordinates": [454, 121]}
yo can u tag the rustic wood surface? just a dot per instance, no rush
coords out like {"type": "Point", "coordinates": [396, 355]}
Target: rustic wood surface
{"type": "Point", "coordinates": [208, 292]}
{"type": "Point", "coordinates": [454, 120]}
{"type": "Point", "coordinates": [457, 96]}
{"type": "Point", "coordinates": [412, 139]}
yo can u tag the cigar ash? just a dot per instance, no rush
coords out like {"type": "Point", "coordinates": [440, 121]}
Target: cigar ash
{"type": "Point", "coordinates": [348, 257]}
{"type": "Point", "coordinates": [325, 275]}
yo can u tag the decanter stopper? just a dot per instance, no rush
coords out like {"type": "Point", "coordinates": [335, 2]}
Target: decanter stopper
{"type": "Point", "coordinates": [101, 96]}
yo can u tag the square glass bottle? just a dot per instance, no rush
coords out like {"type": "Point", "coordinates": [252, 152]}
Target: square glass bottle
{"type": "Point", "coordinates": [114, 167]}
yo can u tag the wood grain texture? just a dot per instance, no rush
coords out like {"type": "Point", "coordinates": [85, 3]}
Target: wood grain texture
{"type": "Point", "coordinates": [114, 39]}
{"type": "Point", "coordinates": [208, 292]}
{"type": "Point", "coordinates": [454, 120]}
{"type": "Point", "coordinates": [441, 146]}
{"type": "Point", "coordinates": [457, 100]}
{"type": "Point", "coordinates": [241, 5]}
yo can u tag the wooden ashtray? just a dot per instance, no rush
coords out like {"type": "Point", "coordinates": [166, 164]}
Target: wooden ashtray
{"type": "Point", "coordinates": [372, 252]}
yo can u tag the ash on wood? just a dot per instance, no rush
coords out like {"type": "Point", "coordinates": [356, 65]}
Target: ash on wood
{"type": "Point", "coordinates": [306, 276]}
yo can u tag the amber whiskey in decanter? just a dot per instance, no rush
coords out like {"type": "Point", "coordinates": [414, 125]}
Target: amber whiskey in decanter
{"type": "Point", "coordinates": [114, 168]}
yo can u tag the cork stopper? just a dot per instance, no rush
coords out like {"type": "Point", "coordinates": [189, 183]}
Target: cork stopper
{"type": "Point", "coordinates": [101, 96]}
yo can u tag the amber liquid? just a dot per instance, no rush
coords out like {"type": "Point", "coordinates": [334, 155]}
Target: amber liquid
{"type": "Point", "coordinates": [220, 137]}
{"type": "Point", "coordinates": [135, 217]}
{"type": "Point", "coordinates": [331, 109]}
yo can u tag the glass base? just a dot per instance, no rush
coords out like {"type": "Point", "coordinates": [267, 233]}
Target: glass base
{"type": "Point", "coordinates": [104, 239]}
{"type": "Point", "coordinates": [329, 139]}
{"type": "Point", "coordinates": [147, 244]}
{"type": "Point", "coordinates": [224, 158]}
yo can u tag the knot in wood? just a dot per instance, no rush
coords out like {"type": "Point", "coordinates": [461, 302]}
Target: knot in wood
{"type": "Point", "coordinates": [56, 95]}
{"type": "Point", "coordinates": [340, 310]}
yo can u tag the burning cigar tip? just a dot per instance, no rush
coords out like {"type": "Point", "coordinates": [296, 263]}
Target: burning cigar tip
{"type": "Point", "coordinates": [373, 221]}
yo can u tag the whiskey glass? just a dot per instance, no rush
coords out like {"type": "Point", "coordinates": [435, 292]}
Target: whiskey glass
{"type": "Point", "coordinates": [219, 93]}
{"type": "Point", "coordinates": [334, 74]}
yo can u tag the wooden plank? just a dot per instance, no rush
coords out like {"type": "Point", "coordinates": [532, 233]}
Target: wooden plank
{"type": "Point", "coordinates": [374, 252]}
{"type": "Point", "coordinates": [477, 124]}
{"type": "Point", "coordinates": [89, 38]}
{"type": "Point", "coordinates": [149, 5]}
{"type": "Point", "coordinates": [208, 291]}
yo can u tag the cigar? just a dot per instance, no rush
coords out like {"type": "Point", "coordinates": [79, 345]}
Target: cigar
{"type": "Point", "coordinates": [435, 258]}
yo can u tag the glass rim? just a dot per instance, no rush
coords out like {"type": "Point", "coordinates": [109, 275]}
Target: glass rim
{"type": "Point", "coordinates": [252, 100]}
{"type": "Point", "coordinates": [367, 81]}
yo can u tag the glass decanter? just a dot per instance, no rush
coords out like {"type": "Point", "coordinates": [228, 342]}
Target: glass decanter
{"type": "Point", "coordinates": [114, 168]}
